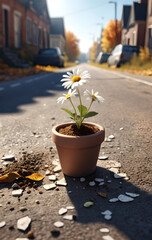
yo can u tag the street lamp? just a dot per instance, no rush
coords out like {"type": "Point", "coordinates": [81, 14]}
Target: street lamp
{"type": "Point", "coordinates": [115, 3]}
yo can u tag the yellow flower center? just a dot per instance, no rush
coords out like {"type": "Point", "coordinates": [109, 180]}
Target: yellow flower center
{"type": "Point", "coordinates": [93, 96]}
{"type": "Point", "coordinates": [76, 79]}
{"type": "Point", "coordinates": [68, 96]}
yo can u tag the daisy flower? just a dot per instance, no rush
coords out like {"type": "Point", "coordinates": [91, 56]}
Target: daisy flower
{"type": "Point", "coordinates": [67, 96]}
{"type": "Point", "coordinates": [75, 79]}
{"type": "Point", "coordinates": [93, 96]}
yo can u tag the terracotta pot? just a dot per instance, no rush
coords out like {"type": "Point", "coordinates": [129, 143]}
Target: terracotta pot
{"type": "Point", "coordinates": [78, 155]}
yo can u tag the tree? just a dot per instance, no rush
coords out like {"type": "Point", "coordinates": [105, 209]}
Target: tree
{"type": "Point", "coordinates": [93, 51]}
{"type": "Point", "coordinates": [109, 36]}
{"type": "Point", "coordinates": [72, 46]}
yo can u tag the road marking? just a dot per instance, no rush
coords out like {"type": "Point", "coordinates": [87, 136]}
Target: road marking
{"type": "Point", "coordinates": [134, 79]}
{"type": "Point", "coordinates": [15, 85]}
{"type": "Point", "coordinates": [28, 81]}
{"type": "Point", "coordinates": [1, 88]}
{"type": "Point", "coordinates": [129, 77]}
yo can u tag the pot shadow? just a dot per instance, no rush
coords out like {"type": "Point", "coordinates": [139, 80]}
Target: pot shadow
{"type": "Point", "coordinates": [133, 219]}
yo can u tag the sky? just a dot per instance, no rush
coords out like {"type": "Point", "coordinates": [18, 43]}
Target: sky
{"type": "Point", "coordinates": [85, 18]}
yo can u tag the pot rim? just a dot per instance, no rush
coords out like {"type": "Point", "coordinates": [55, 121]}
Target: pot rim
{"type": "Point", "coordinates": [54, 130]}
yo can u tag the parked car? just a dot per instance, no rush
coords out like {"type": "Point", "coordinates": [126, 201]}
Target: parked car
{"type": "Point", "coordinates": [122, 54]}
{"type": "Point", "coordinates": [50, 56]}
{"type": "Point", "coordinates": [102, 57]}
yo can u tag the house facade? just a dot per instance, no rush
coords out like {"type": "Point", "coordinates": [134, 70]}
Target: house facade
{"type": "Point", "coordinates": [57, 33]}
{"type": "Point", "coordinates": [133, 23]}
{"type": "Point", "coordinates": [24, 23]}
{"type": "Point", "coordinates": [148, 37]}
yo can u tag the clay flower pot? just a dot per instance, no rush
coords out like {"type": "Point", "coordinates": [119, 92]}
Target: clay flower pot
{"type": "Point", "coordinates": [78, 155]}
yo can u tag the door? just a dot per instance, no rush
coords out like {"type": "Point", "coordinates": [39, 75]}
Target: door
{"type": "Point", "coordinates": [17, 31]}
{"type": "Point", "coordinates": [6, 30]}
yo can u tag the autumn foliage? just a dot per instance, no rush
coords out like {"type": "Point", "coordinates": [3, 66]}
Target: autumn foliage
{"type": "Point", "coordinates": [109, 36]}
{"type": "Point", "coordinates": [93, 51]}
{"type": "Point", "coordinates": [72, 46]}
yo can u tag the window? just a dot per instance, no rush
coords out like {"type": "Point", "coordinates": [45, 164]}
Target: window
{"type": "Point", "coordinates": [133, 38]}
{"type": "Point", "coordinates": [34, 33]}
{"type": "Point", "coordinates": [150, 38]}
{"type": "Point", "coordinates": [28, 30]}
{"type": "Point", "coordinates": [40, 37]}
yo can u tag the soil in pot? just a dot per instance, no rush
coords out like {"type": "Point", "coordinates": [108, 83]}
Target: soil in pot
{"type": "Point", "coordinates": [84, 130]}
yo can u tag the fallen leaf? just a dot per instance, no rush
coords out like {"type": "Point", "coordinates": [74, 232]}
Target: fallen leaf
{"type": "Point", "coordinates": [35, 177]}
{"type": "Point", "coordinates": [101, 194]}
{"type": "Point", "coordinates": [9, 177]}
{"type": "Point", "coordinates": [88, 204]}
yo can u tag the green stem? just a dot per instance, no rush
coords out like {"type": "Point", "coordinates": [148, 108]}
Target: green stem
{"type": "Point", "coordinates": [87, 110]}
{"type": "Point", "coordinates": [80, 105]}
{"type": "Point", "coordinates": [73, 108]}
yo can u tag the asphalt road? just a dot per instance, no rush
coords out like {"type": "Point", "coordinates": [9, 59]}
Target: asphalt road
{"type": "Point", "coordinates": [28, 110]}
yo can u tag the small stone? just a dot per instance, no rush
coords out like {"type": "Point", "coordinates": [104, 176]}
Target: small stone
{"type": "Point", "coordinates": [8, 158]}
{"type": "Point", "coordinates": [23, 209]}
{"type": "Point", "coordinates": [99, 180]}
{"type": "Point", "coordinates": [49, 186]}
{"type": "Point", "coordinates": [30, 234]}
{"type": "Point", "coordinates": [104, 230]}
{"type": "Point", "coordinates": [121, 128]}
{"type": "Point", "coordinates": [57, 169]}
{"type": "Point", "coordinates": [61, 182]}
{"type": "Point", "coordinates": [23, 223]}
{"type": "Point", "coordinates": [28, 191]}
{"type": "Point", "coordinates": [12, 209]}
{"type": "Point", "coordinates": [102, 183]}
{"type": "Point", "coordinates": [0, 205]}
{"type": "Point", "coordinates": [70, 207]}
{"type": "Point", "coordinates": [107, 216]}
{"type": "Point", "coordinates": [132, 194]}
{"type": "Point", "coordinates": [88, 204]}
{"type": "Point", "coordinates": [62, 211]}
{"type": "Point", "coordinates": [120, 175]}
{"type": "Point", "coordinates": [11, 228]}
{"type": "Point", "coordinates": [47, 172]}
{"type": "Point", "coordinates": [124, 198]}
{"type": "Point", "coordinates": [2, 224]}
{"type": "Point", "coordinates": [37, 201]}
{"type": "Point", "coordinates": [111, 137]}
{"type": "Point", "coordinates": [104, 157]}
{"type": "Point", "coordinates": [58, 224]}
{"type": "Point", "coordinates": [52, 177]}
{"type": "Point", "coordinates": [22, 239]}
{"type": "Point", "coordinates": [46, 166]}
{"type": "Point", "coordinates": [40, 192]}
{"type": "Point", "coordinates": [107, 212]}
{"type": "Point", "coordinates": [113, 200]}
{"type": "Point", "coordinates": [107, 140]}
{"type": "Point", "coordinates": [109, 181]}
{"type": "Point", "coordinates": [108, 237]}
{"type": "Point", "coordinates": [82, 179]}
{"type": "Point", "coordinates": [114, 170]}
{"type": "Point", "coordinates": [17, 193]}
{"type": "Point", "coordinates": [92, 183]}
{"type": "Point", "coordinates": [68, 217]}
{"type": "Point", "coordinates": [15, 186]}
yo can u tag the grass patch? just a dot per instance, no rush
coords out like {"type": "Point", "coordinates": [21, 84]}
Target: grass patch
{"type": "Point", "coordinates": [135, 66]}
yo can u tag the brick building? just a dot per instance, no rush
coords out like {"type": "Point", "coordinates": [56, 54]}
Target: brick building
{"type": "Point", "coordinates": [24, 23]}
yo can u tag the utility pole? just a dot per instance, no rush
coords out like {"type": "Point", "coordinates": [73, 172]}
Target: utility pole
{"type": "Point", "coordinates": [115, 4]}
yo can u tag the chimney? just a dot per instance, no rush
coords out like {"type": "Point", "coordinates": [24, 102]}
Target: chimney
{"type": "Point", "coordinates": [142, 1]}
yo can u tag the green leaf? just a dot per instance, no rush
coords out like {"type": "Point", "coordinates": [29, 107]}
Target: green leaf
{"type": "Point", "coordinates": [88, 204]}
{"type": "Point", "coordinates": [83, 110]}
{"type": "Point", "coordinates": [69, 112]}
{"type": "Point", "coordinates": [91, 114]}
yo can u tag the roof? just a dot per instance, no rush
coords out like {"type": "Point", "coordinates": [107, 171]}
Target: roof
{"type": "Point", "coordinates": [131, 14]}
{"type": "Point", "coordinates": [38, 5]}
{"type": "Point", "coordinates": [125, 16]}
{"type": "Point", "coordinates": [57, 26]}
{"type": "Point", "coordinates": [140, 11]}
